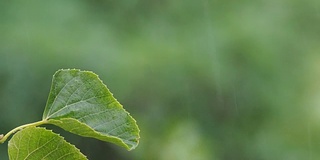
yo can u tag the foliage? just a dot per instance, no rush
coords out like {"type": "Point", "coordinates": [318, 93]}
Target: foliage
{"type": "Point", "coordinates": [79, 103]}
{"type": "Point", "coordinates": [244, 74]}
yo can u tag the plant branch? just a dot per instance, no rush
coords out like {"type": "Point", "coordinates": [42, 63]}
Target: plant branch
{"type": "Point", "coordinates": [3, 138]}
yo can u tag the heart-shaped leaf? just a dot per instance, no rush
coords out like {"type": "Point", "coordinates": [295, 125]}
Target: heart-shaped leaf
{"type": "Point", "coordinates": [34, 143]}
{"type": "Point", "coordinates": [80, 103]}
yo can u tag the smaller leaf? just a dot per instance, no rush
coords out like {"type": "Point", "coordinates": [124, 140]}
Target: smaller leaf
{"type": "Point", "coordinates": [33, 143]}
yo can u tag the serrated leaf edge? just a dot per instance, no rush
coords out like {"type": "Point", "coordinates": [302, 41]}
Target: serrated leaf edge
{"type": "Point", "coordinates": [123, 144]}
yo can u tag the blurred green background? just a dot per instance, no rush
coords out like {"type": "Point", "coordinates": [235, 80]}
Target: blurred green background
{"type": "Point", "coordinates": [206, 79]}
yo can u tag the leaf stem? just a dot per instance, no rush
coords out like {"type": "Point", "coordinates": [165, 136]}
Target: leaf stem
{"type": "Point", "coordinates": [3, 138]}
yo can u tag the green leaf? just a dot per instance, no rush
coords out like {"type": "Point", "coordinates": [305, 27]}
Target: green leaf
{"type": "Point", "coordinates": [80, 103]}
{"type": "Point", "coordinates": [34, 143]}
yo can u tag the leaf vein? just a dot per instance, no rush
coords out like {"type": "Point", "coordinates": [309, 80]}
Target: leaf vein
{"type": "Point", "coordinates": [73, 93]}
{"type": "Point", "coordinates": [116, 128]}
{"type": "Point", "coordinates": [57, 95]}
{"type": "Point", "coordinates": [66, 155]}
{"type": "Point", "coordinates": [63, 108]}
{"type": "Point", "coordinates": [40, 147]}
{"type": "Point", "coordinates": [95, 113]}
{"type": "Point", "coordinates": [53, 150]}
{"type": "Point", "coordinates": [101, 124]}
